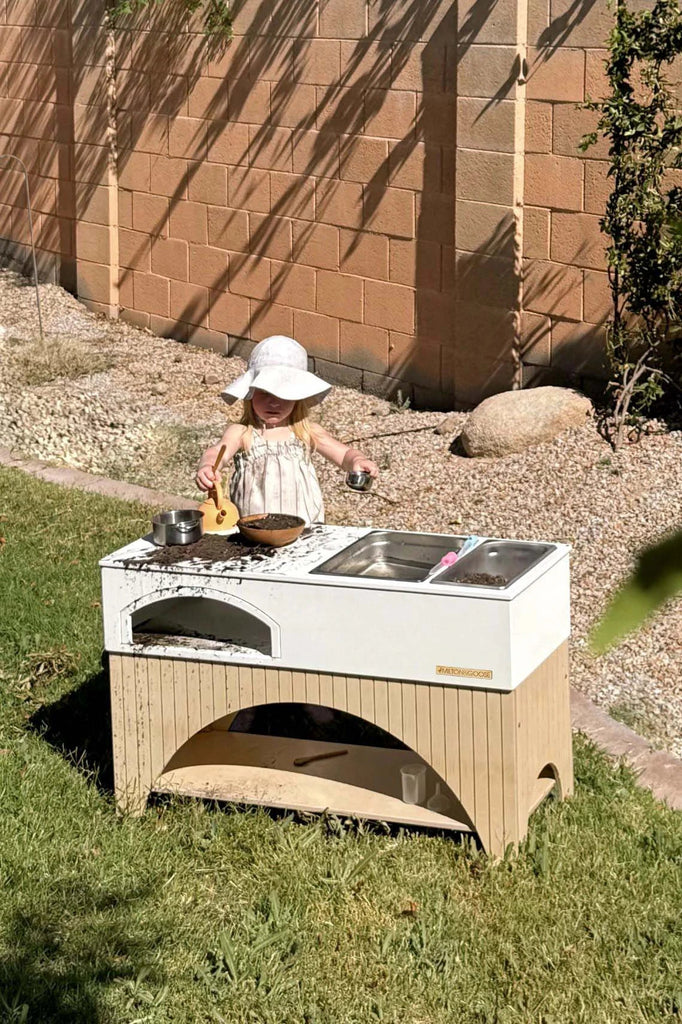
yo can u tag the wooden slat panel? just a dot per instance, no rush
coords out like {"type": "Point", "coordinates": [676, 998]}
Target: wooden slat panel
{"type": "Point", "coordinates": [219, 692]}
{"type": "Point", "coordinates": [245, 686]}
{"type": "Point", "coordinates": [466, 752]}
{"type": "Point", "coordinates": [170, 743]}
{"type": "Point", "coordinates": [232, 688]}
{"type": "Point", "coordinates": [481, 801]}
{"type": "Point", "coordinates": [272, 686]}
{"type": "Point", "coordinates": [207, 710]}
{"type": "Point", "coordinates": [194, 722]}
{"type": "Point", "coordinates": [144, 750]}
{"type": "Point", "coordinates": [286, 686]}
{"type": "Point", "coordinates": [312, 688]}
{"type": "Point", "coordinates": [510, 797]}
{"type": "Point", "coordinates": [498, 839]}
{"type": "Point", "coordinates": [436, 698]}
{"type": "Point", "coordinates": [180, 702]}
{"type": "Point", "coordinates": [340, 694]}
{"type": "Point", "coordinates": [130, 727]}
{"type": "Point", "coordinates": [326, 691]}
{"type": "Point", "coordinates": [118, 727]}
{"type": "Point", "coordinates": [155, 717]}
{"type": "Point", "coordinates": [258, 686]}
{"type": "Point", "coordinates": [423, 711]}
{"type": "Point", "coordinates": [409, 714]}
{"type": "Point", "coordinates": [451, 737]}
{"type": "Point", "coordinates": [381, 703]}
{"type": "Point", "coordinates": [367, 699]}
{"type": "Point", "coordinates": [298, 687]}
{"type": "Point", "coordinates": [353, 695]}
{"type": "Point", "coordinates": [395, 709]}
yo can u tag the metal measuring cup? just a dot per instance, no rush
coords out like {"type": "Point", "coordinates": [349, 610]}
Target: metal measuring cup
{"type": "Point", "coordinates": [359, 480]}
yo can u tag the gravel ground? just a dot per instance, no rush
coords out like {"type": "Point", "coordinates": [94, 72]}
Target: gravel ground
{"type": "Point", "coordinates": [148, 417]}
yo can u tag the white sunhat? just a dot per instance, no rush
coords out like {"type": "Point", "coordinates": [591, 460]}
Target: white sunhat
{"type": "Point", "coordinates": [278, 365]}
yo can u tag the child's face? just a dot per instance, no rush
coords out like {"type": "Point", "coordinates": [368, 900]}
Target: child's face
{"type": "Point", "coordinates": [271, 410]}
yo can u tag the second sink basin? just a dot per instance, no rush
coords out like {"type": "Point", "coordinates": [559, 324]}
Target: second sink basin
{"type": "Point", "coordinates": [503, 561]}
{"type": "Point", "coordinates": [391, 555]}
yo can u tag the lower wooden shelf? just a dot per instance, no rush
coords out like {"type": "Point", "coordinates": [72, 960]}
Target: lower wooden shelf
{"type": "Point", "coordinates": [249, 768]}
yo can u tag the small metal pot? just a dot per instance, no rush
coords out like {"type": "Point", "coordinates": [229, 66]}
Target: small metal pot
{"type": "Point", "coordinates": [359, 481]}
{"type": "Point", "coordinates": [181, 526]}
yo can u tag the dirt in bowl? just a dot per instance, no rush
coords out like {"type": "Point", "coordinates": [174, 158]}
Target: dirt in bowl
{"type": "Point", "coordinates": [273, 521]}
{"type": "Point", "coordinates": [484, 579]}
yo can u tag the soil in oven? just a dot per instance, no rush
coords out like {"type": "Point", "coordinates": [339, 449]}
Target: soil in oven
{"type": "Point", "coordinates": [484, 579]}
{"type": "Point", "coordinates": [273, 521]}
{"type": "Point", "coordinates": [207, 549]}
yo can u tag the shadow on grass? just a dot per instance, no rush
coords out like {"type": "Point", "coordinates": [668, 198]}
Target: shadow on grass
{"type": "Point", "coordinates": [55, 973]}
{"type": "Point", "coordinates": [78, 725]}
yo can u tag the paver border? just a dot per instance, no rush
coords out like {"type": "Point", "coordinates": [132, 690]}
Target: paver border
{"type": "Point", "coordinates": [657, 770]}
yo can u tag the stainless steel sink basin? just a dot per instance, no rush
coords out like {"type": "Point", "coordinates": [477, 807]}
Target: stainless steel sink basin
{"type": "Point", "coordinates": [509, 559]}
{"type": "Point", "coordinates": [390, 555]}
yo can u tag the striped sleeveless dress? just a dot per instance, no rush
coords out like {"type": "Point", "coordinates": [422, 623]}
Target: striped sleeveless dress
{"type": "Point", "coordinates": [276, 476]}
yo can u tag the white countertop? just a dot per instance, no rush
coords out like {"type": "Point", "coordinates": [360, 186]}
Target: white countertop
{"type": "Point", "coordinates": [295, 561]}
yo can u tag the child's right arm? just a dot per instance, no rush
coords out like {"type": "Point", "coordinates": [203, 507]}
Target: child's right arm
{"type": "Point", "coordinates": [232, 439]}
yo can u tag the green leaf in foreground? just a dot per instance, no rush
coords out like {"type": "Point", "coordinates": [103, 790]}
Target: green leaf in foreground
{"type": "Point", "coordinates": [657, 577]}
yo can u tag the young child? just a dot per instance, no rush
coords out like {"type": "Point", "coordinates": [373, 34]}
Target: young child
{"type": "Point", "coordinates": [271, 447]}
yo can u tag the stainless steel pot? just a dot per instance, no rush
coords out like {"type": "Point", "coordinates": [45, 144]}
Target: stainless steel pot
{"type": "Point", "coordinates": [359, 481]}
{"type": "Point", "coordinates": [181, 526]}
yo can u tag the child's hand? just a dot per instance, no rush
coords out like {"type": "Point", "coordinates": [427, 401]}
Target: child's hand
{"type": "Point", "coordinates": [362, 465]}
{"type": "Point", "coordinates": [205, 478]}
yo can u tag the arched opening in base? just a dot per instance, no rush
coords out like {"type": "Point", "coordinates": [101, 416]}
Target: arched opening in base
{"type": "Point", "coordinates": [312, 758]}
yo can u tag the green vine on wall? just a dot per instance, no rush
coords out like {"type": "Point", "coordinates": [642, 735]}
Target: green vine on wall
{"type": "Point", "coordinates": [217, 16]}
{"type": "Point", "coordinates": [640, 120]}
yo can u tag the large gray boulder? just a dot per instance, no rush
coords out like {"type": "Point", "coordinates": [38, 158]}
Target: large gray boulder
{"type": "Point", "coordinates": [515, 420]}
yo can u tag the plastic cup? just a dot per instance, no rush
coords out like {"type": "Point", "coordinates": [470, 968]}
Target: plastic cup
{"type": "Point", "coordinates": [413, 781]}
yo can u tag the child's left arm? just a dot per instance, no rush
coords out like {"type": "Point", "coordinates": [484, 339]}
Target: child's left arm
{"type": "Point", "coordinates": [348, 459]}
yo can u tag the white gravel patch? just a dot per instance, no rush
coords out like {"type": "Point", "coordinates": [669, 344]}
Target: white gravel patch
{"type": "Point", "coordinates": [148, 419]}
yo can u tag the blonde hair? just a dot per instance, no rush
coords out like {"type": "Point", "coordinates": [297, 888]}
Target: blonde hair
{"type": "Point", "coordinates": [298, 421]}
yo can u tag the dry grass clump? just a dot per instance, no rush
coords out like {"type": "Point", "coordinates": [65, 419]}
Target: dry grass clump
{"type": "Point", "coordinates": [39, 362]}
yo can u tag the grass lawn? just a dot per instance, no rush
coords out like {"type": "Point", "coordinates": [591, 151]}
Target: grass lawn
{"type": "Point", "coordinates": [201, 914]}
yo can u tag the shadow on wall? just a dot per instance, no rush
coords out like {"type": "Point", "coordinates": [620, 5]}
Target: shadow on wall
{"type": "Point", "coordinates": [177, 130]}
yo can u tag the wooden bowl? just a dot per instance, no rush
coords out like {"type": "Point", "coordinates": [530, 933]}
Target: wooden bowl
{"type": "Point", "coordinates": [274, 538]}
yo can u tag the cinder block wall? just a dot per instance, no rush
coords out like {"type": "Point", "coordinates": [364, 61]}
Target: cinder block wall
{"type": "Point", "coordinates": [349, 172]}
{"type": "Point", "coordinates": [566, 297]}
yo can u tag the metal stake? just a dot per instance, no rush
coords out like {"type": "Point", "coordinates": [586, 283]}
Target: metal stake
{"type": "Point", "coordinates": [11, 156]}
